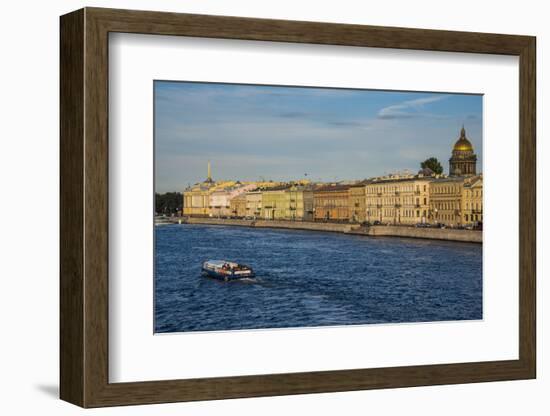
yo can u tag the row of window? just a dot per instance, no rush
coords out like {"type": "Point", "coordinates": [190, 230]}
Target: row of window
{"type": "Point", "coordinates": [394, 201]}
{"type": "Point", "coordinates": [331, 202]}
{"type": "Point", "coordinates": [446, 189]}
{"type": "Point", "coordinates": [471, 206]}
{"type": "Point", "coordinates": [456, 205]}
{"type": "Point", "coordinates": [473, 217]}
{"type": "Point", "coordinates": [477, 193]}
{"type": "Point", "coordinates": [446, 205]}
{"type": "Point", "coordinates": [393, 188]}
{"type": "Point", "coordinates": [393, 213]}
{"type": "Point", "coordinates": [446, 217]}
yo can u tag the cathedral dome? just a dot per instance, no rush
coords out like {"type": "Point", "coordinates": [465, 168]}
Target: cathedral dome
{"type": "Point", "coordinates": [463, 160]}
{"type": "Point", "coordinates": [463, 144]}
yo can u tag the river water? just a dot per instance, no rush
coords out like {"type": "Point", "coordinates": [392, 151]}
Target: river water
{"type": "Point", "coordinates": [307, 279]}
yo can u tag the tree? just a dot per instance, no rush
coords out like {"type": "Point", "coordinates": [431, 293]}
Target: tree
{"type": "Point", "coordinates": [168, 203]}
{"type": "Point", "coordinates": [433, 164]}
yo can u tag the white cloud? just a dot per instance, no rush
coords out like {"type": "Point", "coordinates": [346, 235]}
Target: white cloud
{"type": "Point", "coordinates": [408, 109]}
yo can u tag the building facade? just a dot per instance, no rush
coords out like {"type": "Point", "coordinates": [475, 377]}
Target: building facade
{"type": "Point", "coordinates": [472, 201]}
{"type": "Point", "coordinates": [287, 202]}
{"type": "Point", "coordinates": [331, 203]}
{"type": "Point", "coordinates": [196, 202]}
{"type": "Point", "coordinates": [238, 206]}
{"type": "Point", "coordinates": [446, 200]}
{"type": "Point", "coordinates": [212, 198]}
{"type": "Point", "coordinates": [399, 200]}
{"type": "Point", "coordinates": [253, 204]}
{"type": "Point", "coordinates": [196, 198]}
{"type": "Point", "coordinates": [463, 159]}
{"type": "Point", "coordinates": [357, 202]}
{"type": "Point", "coordinates": [220, 199]}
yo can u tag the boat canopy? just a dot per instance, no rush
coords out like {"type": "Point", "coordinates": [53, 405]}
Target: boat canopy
{"type": "Point", "coordinates": [220, 263]}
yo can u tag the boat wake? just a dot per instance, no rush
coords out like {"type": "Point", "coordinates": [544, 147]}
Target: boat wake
{"type": "Point", "coordinates": [247, 280]}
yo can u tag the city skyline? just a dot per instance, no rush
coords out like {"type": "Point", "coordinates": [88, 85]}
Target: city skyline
{"type": "Point", "coordinates": [251, 132]}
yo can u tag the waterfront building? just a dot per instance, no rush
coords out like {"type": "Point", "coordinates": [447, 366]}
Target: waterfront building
{"type": "Point", "coordinates": [197, 199]}
{"type": "Point", "coordinates": [331, 203]}
{"type": "Point", "coordinates": [238, 206]}
{"type": "Point", "coordinates": [274, 203]}
{"type": "Point", "coordinates": [446, 200]}
{"type": "Point", "coordinates": [458, 199]}
{"type": "Point", "coordinates": [472, 201]}
{"type": "Point", "coordinates": [287, 202]}
{"type": "Point", "coordinates": [399, 199]}
{"type": "Point", "coordinates": [463, 159]}
{"type": "Point", "coordinates": [253, 204]}
{"type": "Point", "coordinates": [357, 202]}
{"type": "Point", "coordinates": [220, 199]}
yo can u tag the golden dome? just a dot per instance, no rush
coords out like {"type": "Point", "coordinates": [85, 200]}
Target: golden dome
{"type": "Point", "coordinates": [463, 144]}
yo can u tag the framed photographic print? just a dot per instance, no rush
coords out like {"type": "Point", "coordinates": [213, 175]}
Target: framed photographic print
{"type": "Point", "coordinates": [255, 207]}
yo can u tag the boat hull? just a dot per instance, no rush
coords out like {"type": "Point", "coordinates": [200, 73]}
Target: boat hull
{"type": "Point", "coordinates": [226, 276]}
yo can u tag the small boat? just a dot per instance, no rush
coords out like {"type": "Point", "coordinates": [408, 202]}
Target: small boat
{"type": "Point", "coordinates": [226, 270]}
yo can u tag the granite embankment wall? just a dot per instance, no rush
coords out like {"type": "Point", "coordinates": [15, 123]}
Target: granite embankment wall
{"type": "Point", "coordinates": [218, 221]}
{"type": "Point", "coordinates": [374, 231]}
{"type": "Point", "coordinates": [430, 233]}
{"type": "Point", "coordinates": [296, 225]}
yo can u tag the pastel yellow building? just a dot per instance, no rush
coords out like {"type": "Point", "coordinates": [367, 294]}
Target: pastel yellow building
{"type": "Point", "coordinates": [237, 206]}
{"type": "Point", "coordinates": [197, 198]}
{"type": "Point", "coordinates": [253, 204]}
{"type": "Point", "coordinates": [472, 201]}
{"type": "Point", "coordinates": [196, 201]}
{"type": "Point", "coordinates": [398, 200]}
{"type": "Point", "coordinates": [446, 198]}
{"type": "Point", "coordinates": [211, 198]}
{"type": "Point", "coordinates": [457, 200]}
{"type": "Point", "coordinates": [357, 202]}
{"type": "Point", "coordinates": [287, 202]}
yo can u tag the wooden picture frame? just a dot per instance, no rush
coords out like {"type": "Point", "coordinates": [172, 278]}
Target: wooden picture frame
{"type": "Point", "coordinates": [84, 207]}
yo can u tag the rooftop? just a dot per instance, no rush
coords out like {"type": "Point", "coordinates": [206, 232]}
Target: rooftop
{"type": "Point", "coordinates": [332, 188]}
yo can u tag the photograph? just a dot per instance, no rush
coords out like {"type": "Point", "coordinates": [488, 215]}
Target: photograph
{"type": "Point", "coordinates": [296, 206]}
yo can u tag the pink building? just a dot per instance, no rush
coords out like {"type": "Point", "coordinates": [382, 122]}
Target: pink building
{"type": "Point", "coordinates": [220, 200]}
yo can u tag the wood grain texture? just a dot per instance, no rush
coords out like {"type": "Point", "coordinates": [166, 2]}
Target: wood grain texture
{"type": "Point", "coordinates": [527, 207]}
{"type": "Point", "coordinates": [84, 207]}
{"type": "Point", "coordinates": [96, 208]}
{"type": "Point", "coordinates": [71, 208]}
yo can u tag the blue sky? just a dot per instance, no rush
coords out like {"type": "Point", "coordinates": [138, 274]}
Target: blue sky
{"type": "Point", "coordinates": [251, 132]}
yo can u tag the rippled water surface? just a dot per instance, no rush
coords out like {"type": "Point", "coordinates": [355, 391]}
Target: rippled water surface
{"type": "Point", "coordinates": [309, 278]}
